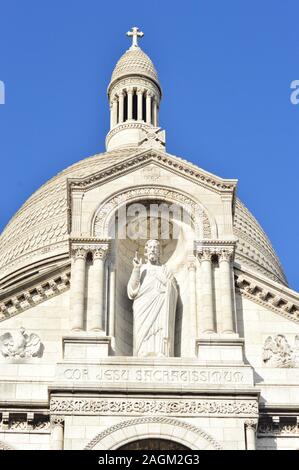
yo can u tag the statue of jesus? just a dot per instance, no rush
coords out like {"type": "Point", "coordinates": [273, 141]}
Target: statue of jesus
{"type": "Point", "coordinates": [153, 289]}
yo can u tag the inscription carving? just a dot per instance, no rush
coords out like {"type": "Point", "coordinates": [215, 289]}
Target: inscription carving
{"type": "Point", "coordinates": [171, 375]}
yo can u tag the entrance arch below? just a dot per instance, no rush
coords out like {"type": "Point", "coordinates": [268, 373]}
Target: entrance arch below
{"type": "Point", "coordinates": [153, 444]}
{"type": "Point", "coordinates": [160, 427]}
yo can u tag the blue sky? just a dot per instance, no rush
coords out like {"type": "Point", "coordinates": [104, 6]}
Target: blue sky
{"type": "Point", "coordinates": [225, 68]}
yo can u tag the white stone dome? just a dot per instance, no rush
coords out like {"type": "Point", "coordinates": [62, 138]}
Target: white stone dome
{"type": "Point", "coordinates": [37, 236]}
{"type": "Point", "coordinates": [134, 62]}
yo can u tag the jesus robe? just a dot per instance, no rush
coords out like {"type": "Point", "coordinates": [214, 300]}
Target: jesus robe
{"type": "Point", "coordinates": [154, 307]}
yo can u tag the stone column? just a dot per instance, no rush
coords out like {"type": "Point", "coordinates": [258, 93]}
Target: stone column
{"type": "Point", "coordinates": [112, 274]}
{"type": "Point", "coordinates": [139, 104]}
{"type": "Point", "coordinates": [130, 103]}
{"type": "Point", "coordinates": [57, 433]}
{"type": "Point", "coordinates": [192, 299]}
{"type": "Point", "coordinates": [114, 112]}
{"type": "Point", "coordinates": [207, 322]}
{"type": "Point", "coordinates": [111, 114]}
{"type": "Point", "coordinates": [121, 107]}
{"type": "Point", "coordinates": [227, 310]}
{"type": "Point", "coordinates": [149, 107]}
{"type": "Point", "coordinates": [155, 111]}
{"type": "Point", "coordinates": [250, 432]}
{"type": "Point", "coordinates": [96, 321]}
{"type": "Point", "coordinates": [78, 288]}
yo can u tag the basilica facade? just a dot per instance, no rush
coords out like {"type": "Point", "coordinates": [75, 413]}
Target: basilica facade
{"type": "Point", "coordinates": [142, 306]}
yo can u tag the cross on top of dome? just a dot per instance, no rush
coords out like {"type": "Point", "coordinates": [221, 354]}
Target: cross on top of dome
{"type": "Point", "coordinates": [135, 33]}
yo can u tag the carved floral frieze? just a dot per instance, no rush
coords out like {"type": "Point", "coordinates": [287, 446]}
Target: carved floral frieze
{"type": "Point", "coordinates": [175, 407]}
{"type": "Point", "coordinates": [281, 429]}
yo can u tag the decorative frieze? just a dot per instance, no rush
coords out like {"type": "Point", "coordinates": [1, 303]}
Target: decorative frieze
{"type": "Point", "coordinates": [270, 429]}
{"type": "Point", "coordinates": [139, 406]}
{"type": "Point", "coordinates": [24, 422]}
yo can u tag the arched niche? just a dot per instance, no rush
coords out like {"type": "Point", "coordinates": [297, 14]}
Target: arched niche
{"type": "Point", "coordinates": [112, 221]}
{"type": "Point", "coordinates": [204, 222]}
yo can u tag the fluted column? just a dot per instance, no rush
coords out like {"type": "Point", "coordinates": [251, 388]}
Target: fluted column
{"type": "Point", "coordinates": [149, 107]}
{"type": "Point", "coordinates": [57, 433]}
{"type": "Point", "coordinates": [121, 107]}
{"type": "Point", "coordinates": [250, 431]}
{"type": "Point", "coordinates": [227, 309]}
{"type": "Point", "coordinates": [112, 276]}
{"type": "Point", "coordinates": [78, 288]}
{"type": "Point", "coordinates": [206, 322]}
{"type": "Point", "coordinates": [130, 103]}
{"type": "Point", "coordinates": [155, 112]}
{"type": "Point", "coordinates": [114, 112]}
{"type": "Point", "coordinates": [139, 104]}
{"type": "Point", "coordinates": [96, 321]}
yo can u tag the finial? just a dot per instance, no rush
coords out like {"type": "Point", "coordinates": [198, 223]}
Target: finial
{"type": "Point", "coordinates": [135, 33]}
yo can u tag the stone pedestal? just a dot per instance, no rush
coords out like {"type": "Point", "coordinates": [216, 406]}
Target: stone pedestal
{"type": "Point", "coordinates": [85, 347]}
{"type": "Point", "coordinates": [220, 349]}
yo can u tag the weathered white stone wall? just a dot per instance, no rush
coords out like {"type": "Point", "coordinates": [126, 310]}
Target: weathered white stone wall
{"type": "Point", "coordinates": [27, 378]}
{"type": "Point", "coordinates": [256, 323]}
{"type": "Point", "coordinates": [25, 441]}
{"type": "Point", "coordinates": [80, 430]}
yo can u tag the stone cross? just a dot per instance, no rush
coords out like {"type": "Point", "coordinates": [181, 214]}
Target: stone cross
{"type": "Point", "coordinates": [135, 33]}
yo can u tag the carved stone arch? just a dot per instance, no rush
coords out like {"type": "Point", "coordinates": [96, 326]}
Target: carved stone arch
{"type": "Point", "coordinates": [102, 216]}
{"type": "Point", "coordinates": [153, 427]}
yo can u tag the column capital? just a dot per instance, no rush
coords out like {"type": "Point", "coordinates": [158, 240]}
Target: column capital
{"type": "Point", "coordinates": [149, 94]}
{"type": "Point", "coordinates": [79, 252]}
{"type": "Point", "coordinates": [130, 90]}
{"type": "Point", "coordinates": [57, 420]}
{"type": "Point", "coordinates": [205, 254]}
{"type": "Point", "coordinates": [251, 424]}
{"type": "Point", "coordinates": [140, 90]}
{"type": "Point", "coordinates": [101, 251]}
{"type": "Point", "coordinates": [225, 254]}
{"type": "Point", "coordinates": [80, 246]}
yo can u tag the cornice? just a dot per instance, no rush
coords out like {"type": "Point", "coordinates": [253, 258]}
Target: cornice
{"type": "Point", "coordinates": [35, 294]}
{"type": "Point", "coordinates": [167, 161]}
{"type": "Point", "coordinates": [272, 296]}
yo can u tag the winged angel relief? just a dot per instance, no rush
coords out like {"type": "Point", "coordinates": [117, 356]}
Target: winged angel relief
{"type": "Point", "coordinates": [20, 344]}
{"type": "Point", "coordinates": [278, 353]}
